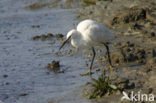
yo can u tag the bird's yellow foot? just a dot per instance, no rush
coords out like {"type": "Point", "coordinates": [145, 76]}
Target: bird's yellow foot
{"type": "Point", "coordinates": [110, 67]}
{"type": "Point", "coordinates": [88, 73]}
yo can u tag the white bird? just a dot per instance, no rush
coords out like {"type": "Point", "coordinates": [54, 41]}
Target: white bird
{"type": "Point", "coordinates": [89, 34]}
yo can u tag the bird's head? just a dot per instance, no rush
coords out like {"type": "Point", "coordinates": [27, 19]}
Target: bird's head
{"type": "Point", "coordinates": [70, 35]}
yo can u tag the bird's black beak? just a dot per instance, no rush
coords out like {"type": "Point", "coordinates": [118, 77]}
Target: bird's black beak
{"type": "Point", "coordinates": [65, 42]}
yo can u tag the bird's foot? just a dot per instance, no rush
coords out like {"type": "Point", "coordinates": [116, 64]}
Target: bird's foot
{"type": "Point", "coordinates": [110, 67]}
{"type": "Point", "coordinates": [88, 73]}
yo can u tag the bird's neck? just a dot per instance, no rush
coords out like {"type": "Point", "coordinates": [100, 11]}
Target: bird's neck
{"type": "Point", "coordinates": [77, 40]}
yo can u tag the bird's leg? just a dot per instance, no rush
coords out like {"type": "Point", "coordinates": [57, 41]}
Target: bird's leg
{"type": "Point", "coordinates": [108, 54]}
{"type": "Point", "coordinates": [89, 70]}
{"type": "Point", "coordinates": [91, 65]}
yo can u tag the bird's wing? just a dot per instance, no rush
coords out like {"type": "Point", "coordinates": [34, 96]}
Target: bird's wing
{"type": "Point", "coordinates": [83, 25]}
{"type": "Point", "coordinates": [99, 33]}
{"type": "Point", "coordinates": [94, 31]}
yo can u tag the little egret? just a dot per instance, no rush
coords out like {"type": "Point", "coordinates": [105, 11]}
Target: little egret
{"type": "Point", "coordinates": [88, 34]}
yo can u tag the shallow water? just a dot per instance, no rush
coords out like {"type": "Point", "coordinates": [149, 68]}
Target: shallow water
{"type": "Point", "coordinates": [25, 60]}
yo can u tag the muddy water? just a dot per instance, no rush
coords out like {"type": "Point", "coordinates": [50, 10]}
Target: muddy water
{"type": "Point", "coordinates": [23, 74]}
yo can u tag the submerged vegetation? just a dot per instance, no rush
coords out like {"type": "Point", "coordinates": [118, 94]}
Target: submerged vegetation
{"type": "Point", "coordinates": [90, 1]}
{"type": "Point", "coordinates": [36, 6]}
{"type": "Point", "coordinates": [93, 2]}
{"type": "Point", "coordinates": [54, 66]}
{"type": "Point", "coordinates": [47, 36]}
{"type": "Point", "coordinates": [101, 86]}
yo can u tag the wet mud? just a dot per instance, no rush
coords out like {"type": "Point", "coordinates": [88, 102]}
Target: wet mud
{"type": "Point", "coordinates": [133, 51]}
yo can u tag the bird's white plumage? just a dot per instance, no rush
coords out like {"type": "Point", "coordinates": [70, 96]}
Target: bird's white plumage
{"type": "Point", "coordinates": [89, 33]}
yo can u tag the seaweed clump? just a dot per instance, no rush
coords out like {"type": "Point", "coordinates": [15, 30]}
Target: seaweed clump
{"type": "Point", "coordinates": [54, 66]}
{"type": "Point", "coordinates": [35, 6]}
{"type": "Point", "coordinates": [93, 2]}
{"type": "Point", "coordinates": [47, 36]}
{"type": "Point", "coordinates": [101, 86]}
{"type": "Point", "coordinates": [90, 2]}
